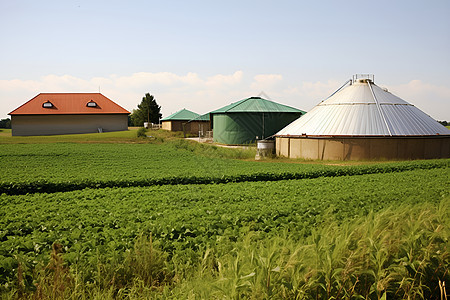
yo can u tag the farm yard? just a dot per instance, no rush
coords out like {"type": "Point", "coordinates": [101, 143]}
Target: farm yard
{"type": "Point", "coordinates": [120, 217]}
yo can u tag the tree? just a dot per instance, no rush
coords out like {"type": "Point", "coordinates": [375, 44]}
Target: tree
{"type": "Point", "coordinates": [147, 111]}
{"type": "Point", "coordinates": [5, 123]}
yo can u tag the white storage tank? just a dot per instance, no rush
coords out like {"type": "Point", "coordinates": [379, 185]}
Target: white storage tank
{"type": "Point", "coordinates": [362, 121]}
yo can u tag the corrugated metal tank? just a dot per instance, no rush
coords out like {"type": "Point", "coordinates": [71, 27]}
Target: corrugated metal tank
{"type": "Point", "coordinates": [364, 121]}
{"type": "Point", "coordinates": [250, 119]}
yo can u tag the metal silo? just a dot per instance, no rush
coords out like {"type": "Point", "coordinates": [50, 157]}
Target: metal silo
{"type": "Point", "coordinates": [364, 121]}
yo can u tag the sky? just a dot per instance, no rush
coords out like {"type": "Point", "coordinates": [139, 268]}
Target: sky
{"type": "Point", "coordinates": [202, 55]}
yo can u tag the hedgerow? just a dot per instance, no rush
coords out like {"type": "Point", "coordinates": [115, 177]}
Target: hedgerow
{"type": "Point", "coordinates": [44, 186]}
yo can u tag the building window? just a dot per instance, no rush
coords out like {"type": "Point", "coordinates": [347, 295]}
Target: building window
{"type": "Point", "coordinates": [47, 104]}
{"type": "Point", "coordinates": [91, 104]}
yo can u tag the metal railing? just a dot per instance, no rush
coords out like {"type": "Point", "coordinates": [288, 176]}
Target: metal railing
{"type": "Point", "coordinates": [205, 136]}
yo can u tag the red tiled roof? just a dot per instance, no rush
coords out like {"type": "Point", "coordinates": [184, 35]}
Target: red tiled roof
{"type": "Point", "coordinates": [68, 104]}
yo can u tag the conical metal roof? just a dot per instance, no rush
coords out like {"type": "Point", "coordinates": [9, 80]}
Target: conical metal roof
{"type": "Point", "coordinates": [181, 115]}
{"type": "Point", "coordinates": [256, 104]}
{"type": "Point", "coordinates": [364, 109]}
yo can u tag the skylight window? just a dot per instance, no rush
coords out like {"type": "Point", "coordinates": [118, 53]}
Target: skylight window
{"type": "Point", "coordinates": [47, 104]}
{"type": "Point", "coordinates": [91, 104]}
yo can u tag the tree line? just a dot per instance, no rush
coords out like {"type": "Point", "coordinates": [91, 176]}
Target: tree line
{"type": "Point", "coordinates": [5, 123]}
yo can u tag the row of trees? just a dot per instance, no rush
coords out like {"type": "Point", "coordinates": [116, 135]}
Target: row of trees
{"type": "Point", "coordinates": [148, 111]}
{"type": "Point", "coordinates": [5, 123]}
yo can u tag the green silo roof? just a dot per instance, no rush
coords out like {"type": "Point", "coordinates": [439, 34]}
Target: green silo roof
{"type": "Point", "coordinates": [256, 104]}
{"type": "Point", "coordinates": [182, 115]}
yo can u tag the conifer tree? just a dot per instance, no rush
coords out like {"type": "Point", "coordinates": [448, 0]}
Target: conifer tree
{"type": "Point", "coordinates": [148, 111]}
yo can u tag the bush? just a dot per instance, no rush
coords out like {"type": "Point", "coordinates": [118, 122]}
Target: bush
{"type": "Point", "coordinates": [5, 123]}
{"type": "Point", "coordinates": [142, 132]}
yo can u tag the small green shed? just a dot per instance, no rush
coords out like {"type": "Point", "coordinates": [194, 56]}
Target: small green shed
{"type": "Point", "coordinates": [176, 121]}
{"type": "Point", "coordinates": [250, 119]}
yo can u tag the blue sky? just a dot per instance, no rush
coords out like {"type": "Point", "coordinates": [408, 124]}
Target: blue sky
{"type": "Point", "coordinates": [202, 55]}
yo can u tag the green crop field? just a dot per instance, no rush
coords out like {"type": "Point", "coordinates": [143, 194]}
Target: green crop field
{"type": "Point", "coordinates": [130, 218]}
{"type": "Point", "coordinates": [71, 166]}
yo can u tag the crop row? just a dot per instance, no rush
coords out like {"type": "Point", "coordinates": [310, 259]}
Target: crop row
{"type": "Point", "coordinates": [92, 221]}
{"type": "Point", "coordinates": [43, 186]}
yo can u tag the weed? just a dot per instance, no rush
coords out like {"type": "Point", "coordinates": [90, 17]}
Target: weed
{"type": "Point", "coordinates": [141, 133]}
{"type": "Point", "coordinates": [55, 280]}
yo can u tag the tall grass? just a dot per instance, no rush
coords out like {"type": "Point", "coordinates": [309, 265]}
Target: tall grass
{"type": "Point", "coordinates": [141, 270]}
{"type": "Point", "coordinates": [397, 253]}
{"type": "Point", "coordinates": [213, 151]}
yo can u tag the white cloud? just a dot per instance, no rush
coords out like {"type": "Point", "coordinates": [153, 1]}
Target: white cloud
{"type": "Point", "coordinates": [311, 93]}
{"type": "Point", "coordinates": [266, 82]}
{"type": "Point", "coordinates": [432, 99]}
{"type": "Point", "coordinates": [172, 91]}
{"type": "Point", "coordinates": [144, 79]}
{"type": "Point", "coordinates": [319, 90]}
{"type": "Point", "coordinates": [225, 80]}
{"type": "Point", "coordinates": [202, 94]}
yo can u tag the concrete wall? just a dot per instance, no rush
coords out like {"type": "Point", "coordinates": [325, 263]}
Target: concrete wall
{"type": "Point", "coordinates": [23, 125]}
{"type": "Point", "coordinates": [364, 148]}
{"type": "Point", "coordinates": [166, 125]}
{"type": "Point", "coordinates": [173, 125]}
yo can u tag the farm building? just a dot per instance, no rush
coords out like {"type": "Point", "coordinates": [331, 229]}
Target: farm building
{"type": "Point", "coordinates": [362, 121]}
{"type": "Point", "coordinates": [199, 125]}
{"type": "Point", "coordinates": [176, 121]}
{"type": "Point", "coordinates": [250, 119]}
{"type": "Point", "coordinates": [68, 113]}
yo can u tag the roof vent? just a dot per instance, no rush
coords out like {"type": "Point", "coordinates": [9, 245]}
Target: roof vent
{"type": "Point", "coordinates": [47, 104]}
{"type": "Point", "coordinates": [363, 78]}
{"type": "Point", "coordinates": [91, 103]}
{"type": "Point", "coordinates": [365, 81]}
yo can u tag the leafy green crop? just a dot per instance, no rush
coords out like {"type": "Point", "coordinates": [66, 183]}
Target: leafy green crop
{"type": "Point", "coordinates": [182, 217]}
{"type": "Point", "coordinates": [96, 212]}
{"type": "Point", "coordinates": [65, 167]}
